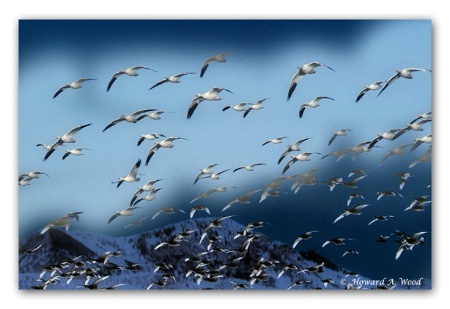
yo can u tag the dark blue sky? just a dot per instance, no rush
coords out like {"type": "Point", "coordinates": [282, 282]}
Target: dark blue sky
{"type": "Point", "coordinates": [266, 56]}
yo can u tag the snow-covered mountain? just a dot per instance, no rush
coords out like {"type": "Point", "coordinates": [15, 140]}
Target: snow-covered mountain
{"type": "Point", "coordinates": [189, 255]}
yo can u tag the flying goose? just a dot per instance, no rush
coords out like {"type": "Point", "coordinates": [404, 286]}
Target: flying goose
{"type": "Point", "coordinates": [405, 73]}
{"type": "Point", "coordinates": [133, 118]}
{"type": "Point", "coordinates": [294, 147]}
{"type": "Point", "coordinates": [154, 116]}
{"type": "Point", "coordinates": [149, 197]}
{"type": "Point", "coordinates": [198, 208]}
{"type": "Point", "coordinates": [218, 58]}
{"type": "Point", "coordinates": [204, 171]}
{"type": "Point", "coordinates": [380, 218]}
{"type": "Point", "coordinates": [308, 68]}
{"type": "Point", "coordinates": [245, 199]}
{"type": "Point", "coordinates": [75, 152]}
{"type": "Point", "coordinates": [64, 221]}
{"type": "Point", "coordinates": [74, 85]}
{"type": "Point", "coordinates": [403, 178]}
{"type": "Point", "coordinates": [313, 104]}
{"type": "Point", "coordinates": [167, 210]}
{"type": "Point", "coordinates": [256, 106]}
{"type": "Point", "coordinates": [172, 79]}
{"type": "Point", "coordinates": [150, 136]}
{"type": "Point", "coordinates": [129, 71]}
{"type": "Point", "coordinates": [131, 177]}
{"type": "Point", "coordinates": [336, 241]}
{"type": "Point", "coordinates": [427, 115]}
{"type": "Point", "coordinates": [207, 193]}
{"type": "Point", "coordinates": [166, 143]}
{"type": "Point", "coordinates": [341, 132]}
{"type": "Point", "coordinates": [124, 212]}
{"type": "Point", "coordinates": [301, 157]}
{"type": "Point", "coordinates": [136, 223]}
{"type": "Point", "coordinates": [239, 108]}
{"type": "Point", "coordinates": [389, 135]}
{"type": "Point", "coordinates": [211, 95]}
{"type": "Point", "coordinates": [374, 86]}
{"type": "Point", "coordinates": [248, 167]}
{"type": "Point", "coordinates": [304, 236]}
{"type": "Point", "coordinates": [420, 140]}
{"type": "Point", "coordinates": [415, 126]}
{"type": "Point", "coordinates": [351, 211]}
{"type": "Point", "coordinates": [145, 188]}
{"type": "Point", "coordinates": [277, 140]}
{"type": "Point", "coordinates": [34, 174]}
{"type": "Point", "coordinates": [396, 151]}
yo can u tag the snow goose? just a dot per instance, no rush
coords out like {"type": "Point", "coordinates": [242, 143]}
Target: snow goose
{"type": "Point", "coordinates": [145, 188]}
{"type": "Point", "coordinates": [351, 211]}
{"type": "Point", "coordinates": [427, 115]}
{"type": "Point", "coordinates": [248, 167]}
{"type": "Point", "coordinates": [218, 58]}
{"type": "Point", "coordinates": [389, 135]}
{"type": "Point", "coordinates": [75, 152]}
{"type": "Point", "coordinates": [426, 157]}
{"type": "Point", "coordinates": [34, 174]}
{"type": "Point", "coordinates": [351, 196]}
{"type": "Point", "coordinates": [129, 71]}
{"type": "Point", "coordinates": [304, 236]}
{"type": "Point", "coordinates": [336, 241]}
{"type": "Point", "coordinates": [276, 140]}
{"type": "Point", "coordinates": [166, 143]}
{"type": "Point", "coordinates": [256, 106]}
{"type": "Point", "coordinates": [380, 194]}
{"type": "Point", "coordinates": [149, 197]}
{"type": "Point", "coordinates": [290, 148]}
{"type": "Point", "coordinates": [66, 138]}
{"type": "Point", "coordinates": [405, 73]}
{"type": "Point", "coordinates": [124, 212]}
{"type": "Point", "coordinates": [212, 190]}
{"type": "Point", "coordinates": [308, 68]}
{"type": "Point", "coordinates": [132, 176]}
{"type": "Point", "coordinates": [313, 104]}
{"type": "Point", "coordinates": [154, 116]}
{"type": "Point", "coordinates": [244, 199]}
{"type": "Point", "coordinates": [239, 107]}
{"type": "Point", "coordinates": [211, 95]}
{"type": "Point", "coordinates": [74, 85]}
{"type": "Point", "coordinates": [350, 251]}
{"type": "Point", "coordinates": [150, 136]}
{"type": "Point", "coordinates": [64, 221]}
{"type": "Point", "coordinates": [167, 210]}
{"type": "Point", "coordinates": [136, 223]}
{"type": "Point", "coordinates": [420, 140]}
{"type": "Point", "coordinates": [374, 86]}
{"type": "Point", "coordinates": [403, 178]}
{"type": "Point", "coordinates": [204, 171]}
{"type": "Point", "coordinates": [341, 132]}
{"type": "Point", "coordinates": [396, 151]}
{"type": "Point", "coordinates": [198, 208]}
{"type": "Point", "coordinates": [133, 118]}
{"type": "Point", "coordinates": [380, 218]}
{"type": "Point", "coordinates": [172, 79]}
{"type": "Point", "coordinates": [415, 126]}
{"type": "Point", "coordinates": [301, 157]}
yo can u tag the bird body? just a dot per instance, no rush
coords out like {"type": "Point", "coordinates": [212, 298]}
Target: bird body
{"type": "Point", "coordinates": [374, 86]}
{"type": "Point", "coordinates": [175, 79]}
{"type": "Point", "coordinates": [211, 95]}
{"type": "Point", "coordinates": [124, 212]}
{"type": "Point", "coordinates": [128, 71]}
{"type": "Point", "coordinates": [313, 104]}
{"type": "Point", "coordinates": [132, 118]}
{"type": "Point", "coordinates": [132, 176]}
{"type": "Point", "coordinates": [73, 85]}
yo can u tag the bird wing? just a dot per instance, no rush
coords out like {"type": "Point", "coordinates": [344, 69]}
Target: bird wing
{"type": "Point", "coordinates": [248, 110]}
{"type": "Point", "coordinates": [113, 79]}
{"type": "Point", "coordinates": [332, 139]}
{"type": "Point", "coordinates": [206, 65]}
{"type": "Point", "coordinates": [114, 122]}
{"type": "Point", "coordinates": [52, 149]}
{"type": "Point", "coordinates": [374, 141]}
{"type": "Point", "coordinates": [390, 81]}
{"type": "Point", "coordinates": [135, 168]}
{"type": "Point", "coordinates": [143, 111]}
{"type": "Point", "coordinates": [400, 132]}
{"type": "Point", "coordinates": [165, 80]}
{"type": "Point", "coordinates": [342, 215]}
{"type": "Point", "coordinates": [288, 165]}
{"type": "Point", "coordinates": [114, 216]}
{"type": "Point", "coordinates": [239, 168]}
{"type": "Point", "coordinates": [294, 82]}
{"type": "Point", "coordinates": [66, 155]}
{"type": "Point", "coordinates": [151, 153]}
{"type": "Point", "coordinates": [75, 130]}
{"type": "Point", "coordinates": [60, 90]}
{"type": "Point", "coordinates": [302, 110]}
{"type": "Point", "coordinates": [195, 102]}
{"type": "Point", "coordinates": [361, 94]}
{"type": "Point", "coordinates": [284, 154]}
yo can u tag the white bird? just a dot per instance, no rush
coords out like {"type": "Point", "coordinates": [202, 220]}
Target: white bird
{"type": "Point", "coordinates": [348, 251]}
{"type": "Point", "coordinates": [172, 79]}
{"type": "Point", "coordinates": [132, 176]}
{"type": "Point", "coordinates": [211, 95]}
{"type": "Point", "coordinates": [405, 73]}
{"type": "Point", "coordinates": [340, 154]}
{"type": "Point", "coordinates": [64, 221]}
{"type": "Point", "coordinates": [408, 242]}
{"type": "Point", "coordinates": [198, 208]}
{"type": "Point", "coordinates": [32, 175]}
{"type": "Point", "coordinates": [380, 218]}
{"type": "Point", "coordinates": [351, 211]}
{"type": "Point", "coordinates": [150, 136]}
{"type": "Point", "coordinates": [136, 223]}
{"type": "Point", "coordinates": [415, 126]}
{"type": "Point", "coordinates": [204, 171]}
{"type": "Point", "coordinates": [218, 58]}
{"type": "Point", "coordinates": [149, 197]}
{"type": "Point", "coordinates": [389, 135]}
{"type": "Point", "coordinates": [66, 138]}
{"type": "Point", "coordinates": [207, 193]}
{"type": "Point", "coordinates": [336, 241]}
{"type": "Point", "coordinates": [256, 106]}
{"type": "Point", "coordinates": [426, 157]}
{"type": "Point", "coordinates": [145, 188]}
{"type": "Point", "coordinates": [168, 210]}
{"type": "Point", "coordinates": [244, 199]}
{"type": "Point", "coordinates": [352, 196]}
{"type": "Point", "coordinates": [403, 178]}
{"type": "Point", "coordinates": [387, 193]}
{"type": "Point", "coordinates": [154, 116]}
{"type": "Point", "coordinates": [165, 143]}
{"type": "Point", "coordinates": [75, 152]}
{"type": "Point", "coordinates": [239, 108]}
{"type": "Point", "coordinates": [248, 167]}
{"type": "Point", "coordinates": [313, 104]}
{"type": "Point", "coordinates": [308, 68]}
{"type": "Point", "coordinates": [341, 132]}
{"type": "Point", "coordinates": [427, 115]}
{"type": "Point", "coordinates": [277, 140]}
{"type": "Point", "coordinates": [420, 140]}
{"type": "Point", "coordinates": [124, 212]}
{"type": "Point", "coordinates": [129, 71]}
{"type": "Point", "coordinates": [74, 85]}
{"type": "Point", "coordinates": [396, 151]}
{"type": "Point", "coordinates": [216, 175]}
{"type": "Point", "coordinates": [132, 118]}
{"type": "Point", "coordinates": [304, 236]}
{"type": "Point", "coordinates": [214, 223]}
{"type": "Point", "coordinates": [301, 157]}
{"type": "Point", "coordinates": [25, 181]}
{"type": "Point", "coordinates": [374, 86]}
{"type": "Point", "coordinates": [294, 147]}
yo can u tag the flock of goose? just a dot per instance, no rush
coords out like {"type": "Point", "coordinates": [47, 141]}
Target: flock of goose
{"type": "Point", "coordinates": [147, 192]}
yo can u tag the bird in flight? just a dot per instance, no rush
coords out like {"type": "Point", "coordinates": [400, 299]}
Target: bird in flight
{"type": "Point", "coordinates": [129, 71]}
{"type": "Point", "coordinates": [74, 85]}
{"type": "Point", "coordinates": [175, 79]}
{"type": "Point", "coordinates": [405, 73]}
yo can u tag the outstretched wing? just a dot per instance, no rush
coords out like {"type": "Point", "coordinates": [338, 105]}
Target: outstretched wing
{"type": "Point", "coordinates": [113, 79]}
{"type": "Point", "coordinates": [60, 90]}
{"type": "Point", "coordinates": [195, 102]}
{"type": "Point", "coordinates": [114, 122]}
{"type": "Point", "coordinates": [165, 80]}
